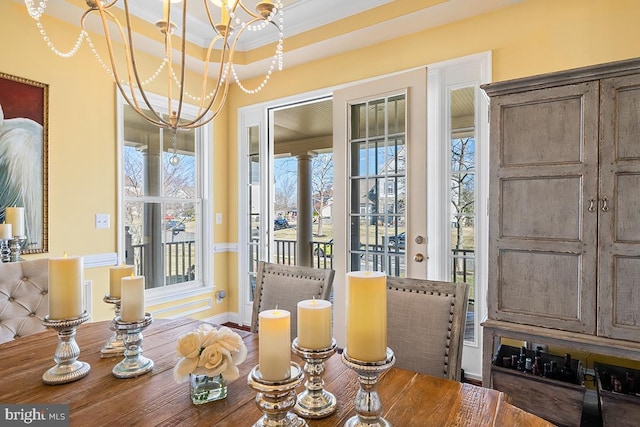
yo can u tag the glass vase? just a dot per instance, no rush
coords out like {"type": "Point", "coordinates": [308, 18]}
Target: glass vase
{"type": "Point", "coordinates": [206, 389]}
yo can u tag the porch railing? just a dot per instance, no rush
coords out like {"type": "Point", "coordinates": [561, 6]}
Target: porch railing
{"type": "Point", "coordinates": [180, 258]}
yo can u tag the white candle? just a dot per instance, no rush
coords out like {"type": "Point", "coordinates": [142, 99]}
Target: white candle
{"type": "Point", "coordinates": [66, 275]}
{"type": "Point", "coordinates": [5, 232]}
{"type": "Point", "coordinates": [275, 344]}
{"type": "Point", "coordinates": [115, 276]}
{"type": "Point", "coordinates": [367, 316]}
{"type": "Point", "coordinates": [15, 217]}
{"type": "Point", "coordinates": [314, 324]}
{"type": "Point", "coordinates": [132, 298]}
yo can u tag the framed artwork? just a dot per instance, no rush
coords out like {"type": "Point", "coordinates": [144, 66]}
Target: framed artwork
{"type": "Point", "coordinates": [24, 114]}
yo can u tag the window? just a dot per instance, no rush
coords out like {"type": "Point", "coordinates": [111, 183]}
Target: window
{"type": "Point", "coordinates": [463, 194]}
{"type": "Point", "coordinates": [164, 204]}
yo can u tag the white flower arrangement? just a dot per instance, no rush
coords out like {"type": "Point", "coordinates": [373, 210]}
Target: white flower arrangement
{"type": "Point", "coordinates": [209, 351]}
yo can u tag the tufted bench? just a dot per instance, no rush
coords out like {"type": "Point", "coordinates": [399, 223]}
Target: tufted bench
{"type": "Point", "coordinates": [24, 298]}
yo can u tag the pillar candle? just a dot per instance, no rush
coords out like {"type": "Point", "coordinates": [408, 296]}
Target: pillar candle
{"type": "Point", "coordinates": [132, 298]}
{"type": "Point", "coordinates": [275, 344]}
{"type": "Point", "coordinates": [66, 275]}
{"type": "Point", "coordinates": [5, 232]}
{"type": "Point", "coordinates": [115, 275]}
{"type": "Point", "coordinates": [367, 316]}
{"type": "Point", "coordinates": [15, 217]}
{"type": "Point", "coordinates": [314, 324]}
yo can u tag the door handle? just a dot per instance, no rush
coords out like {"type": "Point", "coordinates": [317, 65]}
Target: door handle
{"type": "Point", "coordinates": [418, 257]}
{"type": "Point", "coordinates": [605, 206]}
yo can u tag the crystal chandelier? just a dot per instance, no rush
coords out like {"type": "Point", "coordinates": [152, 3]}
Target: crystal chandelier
{"type": "Point", "coordinates": [228, 20]}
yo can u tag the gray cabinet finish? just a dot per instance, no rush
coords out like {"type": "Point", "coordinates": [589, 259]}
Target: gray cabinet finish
{"type": "Point", "coordinates": [564, 239]}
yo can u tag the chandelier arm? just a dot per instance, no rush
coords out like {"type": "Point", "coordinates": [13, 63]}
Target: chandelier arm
{"type": "Point", "coordinates": [131, 99]}
{"type": "Point", "coordinates": [253, 14]}
{"type": "Point", "coordinates": [131, 64]}
{"type": "Point", "coordinates": [183, 64]}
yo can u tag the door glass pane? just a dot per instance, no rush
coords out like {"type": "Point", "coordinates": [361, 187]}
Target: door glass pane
{"type": "Point", "coordinates": [378, 185]}
{"type": "Point", "coordinates": [254, 206]}
{"type": "Point", "coordinates": [463, 194]}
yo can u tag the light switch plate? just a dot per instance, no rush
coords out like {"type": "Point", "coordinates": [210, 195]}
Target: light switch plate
{"type": "Point", "coordinates": [102, 221]}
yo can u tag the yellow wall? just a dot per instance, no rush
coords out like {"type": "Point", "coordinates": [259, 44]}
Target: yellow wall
{"type": "Point", "coordinates": [531, 37]}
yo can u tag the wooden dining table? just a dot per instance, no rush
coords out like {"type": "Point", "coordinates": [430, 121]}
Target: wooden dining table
{"type": "Point", "coordinates": [155, 399]}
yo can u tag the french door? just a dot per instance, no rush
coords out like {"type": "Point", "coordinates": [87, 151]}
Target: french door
{"type": "Point", "coordinates": [380, 146]}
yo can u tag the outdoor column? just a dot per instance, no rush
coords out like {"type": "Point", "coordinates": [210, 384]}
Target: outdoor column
{"type": "Point", "coordinates": [153, 253]}
{"type": "Point", "coordinates": [305, 211]}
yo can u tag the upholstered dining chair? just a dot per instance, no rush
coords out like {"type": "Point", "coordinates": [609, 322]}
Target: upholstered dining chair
{"type": "Point", "coordinates": [425, 325]}
{"type": "Point", "coordinates": [24, 297]}
{"type": "Point", "coordinates": [285, 285]}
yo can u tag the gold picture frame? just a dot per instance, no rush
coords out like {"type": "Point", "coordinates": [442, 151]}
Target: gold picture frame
{"type": "Point", "coordinates": [24, 156]}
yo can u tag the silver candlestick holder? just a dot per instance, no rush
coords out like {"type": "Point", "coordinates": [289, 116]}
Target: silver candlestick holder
{"type": "Point", "coordinates": [68, 368]}
{"type": "Point", "coordinates": [134, 363]}
{"type": "Point", "coordinates": [368, 405]}
{"type": "Point", "coordinates": [5, 252]}
{"type": "Point", "coordinates": [314, 401]}
{"type": "Point", "coordinates": [276, 398]}
{"type": "Point", "coordinates": [15, 247]}
{"type": "Point", "coordinates": [115, 344]}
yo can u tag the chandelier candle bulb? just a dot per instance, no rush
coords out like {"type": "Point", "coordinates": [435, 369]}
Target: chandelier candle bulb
{"type": "Point", "coordinates": [275, 345]}
{"type": "Point", "coordinates": [132, 297]}
{"type": "Point", "coordinates": [225, 12]}
{"type": "Point", "coordinates": [5, 232]}
{"type": "Point", "coordinates": [66, 275]}
{"type": "Point", "coordinates": [314, 324]}
{"type": "Point", "coordinates": [367, 316]}
{"type": "Point", "coordinates": [15, 217]}
{"type": "Point", "coordinates": [115, 278]}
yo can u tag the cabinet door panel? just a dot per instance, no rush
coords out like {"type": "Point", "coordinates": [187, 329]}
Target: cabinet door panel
{"type": "Point", "coordinates": [619, 222]}
{"type": "Point", "coordinates": [558, 131]}
{"type": "Point", "coordinates": [544, 284]}
{"type": "Point", "coordinates": [535, 208]}
{"type": "Point", "coordinates": [544, 171]}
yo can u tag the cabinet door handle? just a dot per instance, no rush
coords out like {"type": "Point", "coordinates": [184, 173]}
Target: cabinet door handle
{"type": "Point", "coordinates": [605, 206]}
{"type": "Point", "coordinates": [592, 204]}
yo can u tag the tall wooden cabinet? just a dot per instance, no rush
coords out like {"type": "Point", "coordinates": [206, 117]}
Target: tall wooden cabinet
{"type": "Point", "coordinates": [564, 246]}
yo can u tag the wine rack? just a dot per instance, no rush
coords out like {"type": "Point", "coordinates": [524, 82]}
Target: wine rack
{"type": "Point", "coordinates": [556, 400]}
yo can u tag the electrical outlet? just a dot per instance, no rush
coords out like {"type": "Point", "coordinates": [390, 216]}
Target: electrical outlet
{"type": "Point", "coordinates": [102, 221]}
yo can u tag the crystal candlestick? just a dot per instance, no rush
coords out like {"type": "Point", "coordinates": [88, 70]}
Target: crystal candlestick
{"type": "Point", "coordinates": [15, 246]}
{"type": "Point", "coordinates": [115, 344]}
{"type": "Point", "coordinates": [315, 401]}
{"type": "Point", "coordinates": [5, 252]}
{"type": "Point", "coordinates": [368, 405]}
{"type": "Point", "coordinates": [276, 398]}
{"type": "Point", "coordinates": [68, 368]}
{"type": "Point", "coordinates": [134, 363]}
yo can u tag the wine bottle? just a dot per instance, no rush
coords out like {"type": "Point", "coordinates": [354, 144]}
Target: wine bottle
{"type": "Point", "coordinates": [566, 373]}
{"type": "Point", "coordinates": [521, 359]}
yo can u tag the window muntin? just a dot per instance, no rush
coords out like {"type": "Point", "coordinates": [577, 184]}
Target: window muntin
{"type": "Point", "coordinates": [378, 185]}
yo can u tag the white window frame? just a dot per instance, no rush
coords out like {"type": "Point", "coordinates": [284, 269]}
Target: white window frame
{"type": "Point", "coordinates": [204, 227]}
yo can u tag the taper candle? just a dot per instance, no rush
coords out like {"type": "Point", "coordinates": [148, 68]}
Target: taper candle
{"type": "Point", "coordinates": [5, 232]}
{"type": "Point", "coordinates": [115, 276]}
{"type": "Point", "coordinates": [15, 217]}
{"type": "Point", "coordinates": [314, 324]}
{"type": "Point", "coordinates": [66, 276]}
{"type": "Point", "coordinates": [367, 316]}
{"type": "Point", "coordinates": [274, 348]}
{"type": "Point", "coordinates": [132, 298]}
